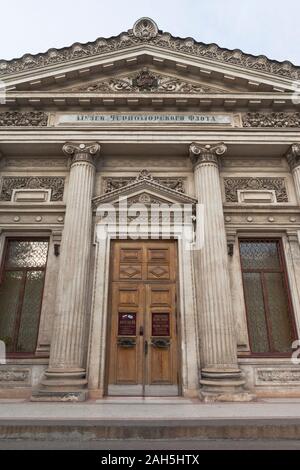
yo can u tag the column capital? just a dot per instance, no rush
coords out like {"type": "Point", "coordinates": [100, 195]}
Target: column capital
{"type": "Point", "coordinates": [293, 156]}
{"type": "Point", "coordinates": [206, 153]}
{"type": "Point", "coordinates": [82, 152]}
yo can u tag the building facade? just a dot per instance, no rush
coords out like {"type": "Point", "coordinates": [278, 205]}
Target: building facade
{"type": "Point", "coordinates": [95, 135]}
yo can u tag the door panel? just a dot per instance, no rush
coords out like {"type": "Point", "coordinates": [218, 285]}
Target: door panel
{"type": "Point", "coordinates": [161, 328]}
{"type": "Point", "coordinates": [126, 346]}
{"type": "Point", "coordinates": [143, 334]}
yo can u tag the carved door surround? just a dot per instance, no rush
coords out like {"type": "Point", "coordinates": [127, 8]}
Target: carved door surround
{"type": "Point", "coordinates": [188, 368]}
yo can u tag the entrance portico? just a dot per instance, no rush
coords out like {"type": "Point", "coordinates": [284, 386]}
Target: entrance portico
{"type": "Point", "coordinates": [146, 118]}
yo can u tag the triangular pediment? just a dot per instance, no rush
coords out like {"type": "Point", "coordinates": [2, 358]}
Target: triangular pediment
{"type": "Point", "coordinates": [144, 190]}
{"type": "Point", "coordinates": [145, 80]}
{"type": "Point", "coordinates": [190, 64]}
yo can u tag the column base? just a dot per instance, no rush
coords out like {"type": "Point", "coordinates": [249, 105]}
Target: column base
{"type": "Point", "coordinates": [62, 385]}
{"type": "Point", "coordinates": [223, 385]}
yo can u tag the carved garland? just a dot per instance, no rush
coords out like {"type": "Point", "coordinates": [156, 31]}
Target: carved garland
{"type": "Point", "coordinates": [147, 32]}
{"type": "Point", "coordinates": [232, 185]}
{"type": "Point", "coordinates": [55, 183]}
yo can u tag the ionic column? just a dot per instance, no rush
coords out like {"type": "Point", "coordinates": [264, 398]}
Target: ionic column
{"type": "Point", "coordinates": [293, 158]}
{"type": "Point", "coordinates": [66, 375]}
{"type": "Point", "coordinates": [221, 378]}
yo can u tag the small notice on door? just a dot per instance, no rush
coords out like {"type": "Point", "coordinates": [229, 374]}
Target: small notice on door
{"type": "Point", "coordinates": [127, 324]}
{"type": "Point", "coordinates": [160, 324]}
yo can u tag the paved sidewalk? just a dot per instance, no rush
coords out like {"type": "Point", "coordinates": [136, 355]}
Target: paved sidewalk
{"type": "Point", "coordinates": [149, 409]}
{"type": "Point", "coordinates": [132, 419]}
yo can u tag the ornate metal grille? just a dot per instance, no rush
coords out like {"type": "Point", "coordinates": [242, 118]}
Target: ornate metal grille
{"type": "Point", "coordinates": [21, 290]}
{"type": "Point", "coordinates": [269, 314]}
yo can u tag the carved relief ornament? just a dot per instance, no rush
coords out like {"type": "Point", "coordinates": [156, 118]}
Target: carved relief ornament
{"type": "Point", "coordinates": [55, 183]}
{"type": "Point", "coordinates": [233, 184]}
{"type": "Point", "coordinates": [84, 152]}
{"type": "Point", "coordinates": [147, 81]}
{"type": "Point", "coordinates": [23, 119]}
{"type": "Point", "coordinates": [272, 120]}
{"type": "Point", "coordinates": [112, 183]}
{"type": "Point", "coordinates": [201, 153]}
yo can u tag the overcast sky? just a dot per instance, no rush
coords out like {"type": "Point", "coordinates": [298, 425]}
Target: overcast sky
{"type": "Point", "coordinates": [269, 27]}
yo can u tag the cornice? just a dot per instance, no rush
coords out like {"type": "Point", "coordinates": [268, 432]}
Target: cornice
{"type": "Point", "coordinates": [163, 40]}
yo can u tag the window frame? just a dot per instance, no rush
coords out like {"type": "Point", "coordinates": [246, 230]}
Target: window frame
{"type": "Point", "coordinates": [284, 272]}
{"type": "Point", "coordinates": [3, 269]}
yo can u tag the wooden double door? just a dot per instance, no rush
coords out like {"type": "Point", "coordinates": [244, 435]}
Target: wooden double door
{"type": "Point", "coordinates": [142, 339]}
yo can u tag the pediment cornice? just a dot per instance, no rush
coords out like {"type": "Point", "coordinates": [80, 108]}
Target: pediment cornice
{"type": "Point", "coordinates": [134, 38]}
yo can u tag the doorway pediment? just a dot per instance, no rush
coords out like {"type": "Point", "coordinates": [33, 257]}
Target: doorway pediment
{"type": "Point", "coordinates": [144, 190]}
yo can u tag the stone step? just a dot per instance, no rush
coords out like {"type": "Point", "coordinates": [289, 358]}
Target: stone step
{"type": "Point", "coordinates": [142, 429]}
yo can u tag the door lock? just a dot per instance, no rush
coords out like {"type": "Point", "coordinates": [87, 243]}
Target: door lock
{"type": "Point", "coordinates": [146, 347]}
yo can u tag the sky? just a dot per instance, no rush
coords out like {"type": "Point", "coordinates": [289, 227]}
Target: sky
{"type": "Point", "coordinates": [269, 27]}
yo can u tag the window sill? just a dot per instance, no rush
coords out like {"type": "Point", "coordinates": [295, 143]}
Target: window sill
{"type": "Point", "coordinates": [34, 360]}
{"type": "Point", "coordinates": [265, 360]}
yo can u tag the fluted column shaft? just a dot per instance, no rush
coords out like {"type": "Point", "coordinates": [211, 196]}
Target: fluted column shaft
{"type": "Point", "coordinates": [217, 331]}
{"type": "Point", "coordinates": [67, 346]}
{"type": "Point", "coordinates": [293, 158]}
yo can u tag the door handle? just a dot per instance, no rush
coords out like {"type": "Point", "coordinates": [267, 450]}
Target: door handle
{"type": "Point", "coordinates": [126, 342]}
{"type": "Point", "coordinates": [161, 343]}
{"type": "Point", "coordinates": [146, 347]}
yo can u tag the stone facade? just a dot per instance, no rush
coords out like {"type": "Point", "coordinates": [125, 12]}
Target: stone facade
{"type": "Point", "coordinates": [154, 119]}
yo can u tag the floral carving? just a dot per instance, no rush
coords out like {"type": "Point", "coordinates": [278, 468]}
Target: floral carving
{"type": "Point", "coordinates": [55, 183]}
{"type": "Point", "coordinates": [271, 120]}
{"type": "Point", "coordinates": [147, 81]}
{"type": "Point", "coordinates": [232, 185]}
{"type": "Point", "coordinates": [145, 30]}
{"type": "Point", "coordinates": [24, 119]}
